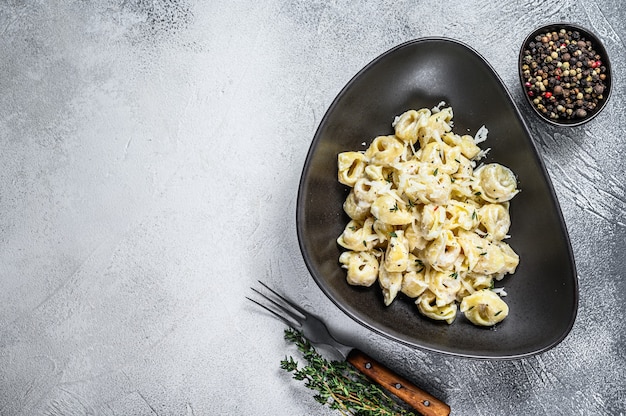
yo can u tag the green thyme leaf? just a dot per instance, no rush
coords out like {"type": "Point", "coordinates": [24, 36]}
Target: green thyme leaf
{"type": "Point", "coordinates": [339, 385]}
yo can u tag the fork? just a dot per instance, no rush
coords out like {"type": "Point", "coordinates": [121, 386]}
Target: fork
{"type": "Point", "coordinates": [316, 331]}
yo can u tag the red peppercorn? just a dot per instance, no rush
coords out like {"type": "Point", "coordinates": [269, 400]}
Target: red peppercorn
{"type": "Point", "coordinates": [531, 94]}
{"type": "Point", "coordinates": [528, 84]}
{"type": "Point", "coordinates": [548, 94]}
{"type": "Point", "coordinates": [596, 64]}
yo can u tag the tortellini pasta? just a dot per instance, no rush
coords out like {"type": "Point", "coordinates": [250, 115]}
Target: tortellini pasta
{"type": "Point", "coordinates": [496, 183]}
{"type": "Point", "coordinates": [426, 222]}
{"type": "Point", "coordinates": [484, 308]}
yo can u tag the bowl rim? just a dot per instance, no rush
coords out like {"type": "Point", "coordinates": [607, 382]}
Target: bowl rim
{"type": "Point", "coordinates": [598, 45]}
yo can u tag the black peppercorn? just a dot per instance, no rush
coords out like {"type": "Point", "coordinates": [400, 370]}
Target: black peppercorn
{"type": "Point", "coordinates": [564, 74]}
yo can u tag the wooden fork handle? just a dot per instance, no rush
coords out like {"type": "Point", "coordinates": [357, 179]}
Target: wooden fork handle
{"type": "Point", "coordinates": [421, 401]}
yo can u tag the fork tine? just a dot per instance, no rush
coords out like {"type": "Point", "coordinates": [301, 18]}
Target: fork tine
{"type": "Point", "coordinates": [273, 312]}
{"type": "Point", "coordinates": [282, 308]}
{"type": "Point", "coordinates": [287, 301]}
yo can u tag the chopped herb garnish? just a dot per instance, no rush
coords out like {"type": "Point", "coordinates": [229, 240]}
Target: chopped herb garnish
{"type": "Point", "coordinates": [393, 234]}
{"type": "Point", "coordinates": [435, 172]}
{"type": "Point", "coordinates": [478, 193]}
{"type": "Point", "coordinates": [497, 313]}
{"type": "Point", "coordinates": [454, 275]}
{"type": "Point", "coordinates": [394, 208]}
{"type": "Point", "coordinates": [474, 215]}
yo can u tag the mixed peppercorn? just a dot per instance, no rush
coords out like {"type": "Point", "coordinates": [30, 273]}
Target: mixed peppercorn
{"type": "Point", "coordinates": [564, 76]}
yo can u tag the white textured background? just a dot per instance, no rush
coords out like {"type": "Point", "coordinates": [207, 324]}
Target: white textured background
{"type": "Point", "coordinates": [150, 153]}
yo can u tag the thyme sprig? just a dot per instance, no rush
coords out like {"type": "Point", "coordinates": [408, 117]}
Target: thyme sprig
{"type": "Point", "coordinates": [338, 384]}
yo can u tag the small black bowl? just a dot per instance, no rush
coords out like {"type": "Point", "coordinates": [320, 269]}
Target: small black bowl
{"type": "Point", "coordinates": [558, 91]}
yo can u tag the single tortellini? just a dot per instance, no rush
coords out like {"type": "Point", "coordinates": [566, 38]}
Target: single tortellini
{"type": "Point", "coordinates": [391, 211]}
{"type": "Point", "coordinates": [465, 144]}
{"type": "Point", "coordinates": [463, 180]}
{"type": "Point", "coordinates": [496, 183]}
{"type": "Point", "coordinates": [428, 188]}
{"type": "Point", "coordinates": [479, 281]}
{"type": "Point", "coordinates": [384, 150]}
{"type": "Point", "coordinates": [438, 123]}
{"type": "Point", "coordinates": [444, 285]}
{"type": "Point", "coordinates": [408, 124]}
{"type": "Point", "coordinates": [427, 305]}
{"type": "Point", "coordinates": [357, 209]}
{"type": "Point", "coordinates": [436, 186]}
{"type": "Point", "coordinates": [496, 220]}
{"type": "Point", "coordinates": [358, 236]}
{"type": "Point", "coordinates": [443, 252]}
{"type": "Point", "coordinates": [362, 267]}
{"type": "Point", "coordinates": [473, 247]}
{"type": "Point", "coordinates": [491, 260]}
{"type": "Point", "coordinates": [397, 254]}
{"type": "Point", "coordinates": [409, 166]}
{"type": "Point", "coordinates": [390, 283]}
{"type": "Point", "coordinates": [511, 259]}
{"type": "Point", "coordinates": [445, 158]}
{"type": "Point", "coordinates": [462, 215]}
{"type": "Point", "coordinates": [415, 238]}
{"type": "Point", "coordinates": [465, 170]}
{"type": "Point", "coordinates": [484, 308]}
{"type": "Point", "coordinates": [413, 283]}
{"type": "Point", "coordinates": [374, 172]}
{"type": "Point", "coordinates": [366, 190]}
{"type": "Point", "coordinates": [383, 230]}
{"type": "Point", "coordinates": [415, 264]}
{"type": "Point", "coordinates": [351, 166]}
{"type": "Point", "coordinates": [433, 220]}
{"type": "Point", "coordinates": [412, 185]}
